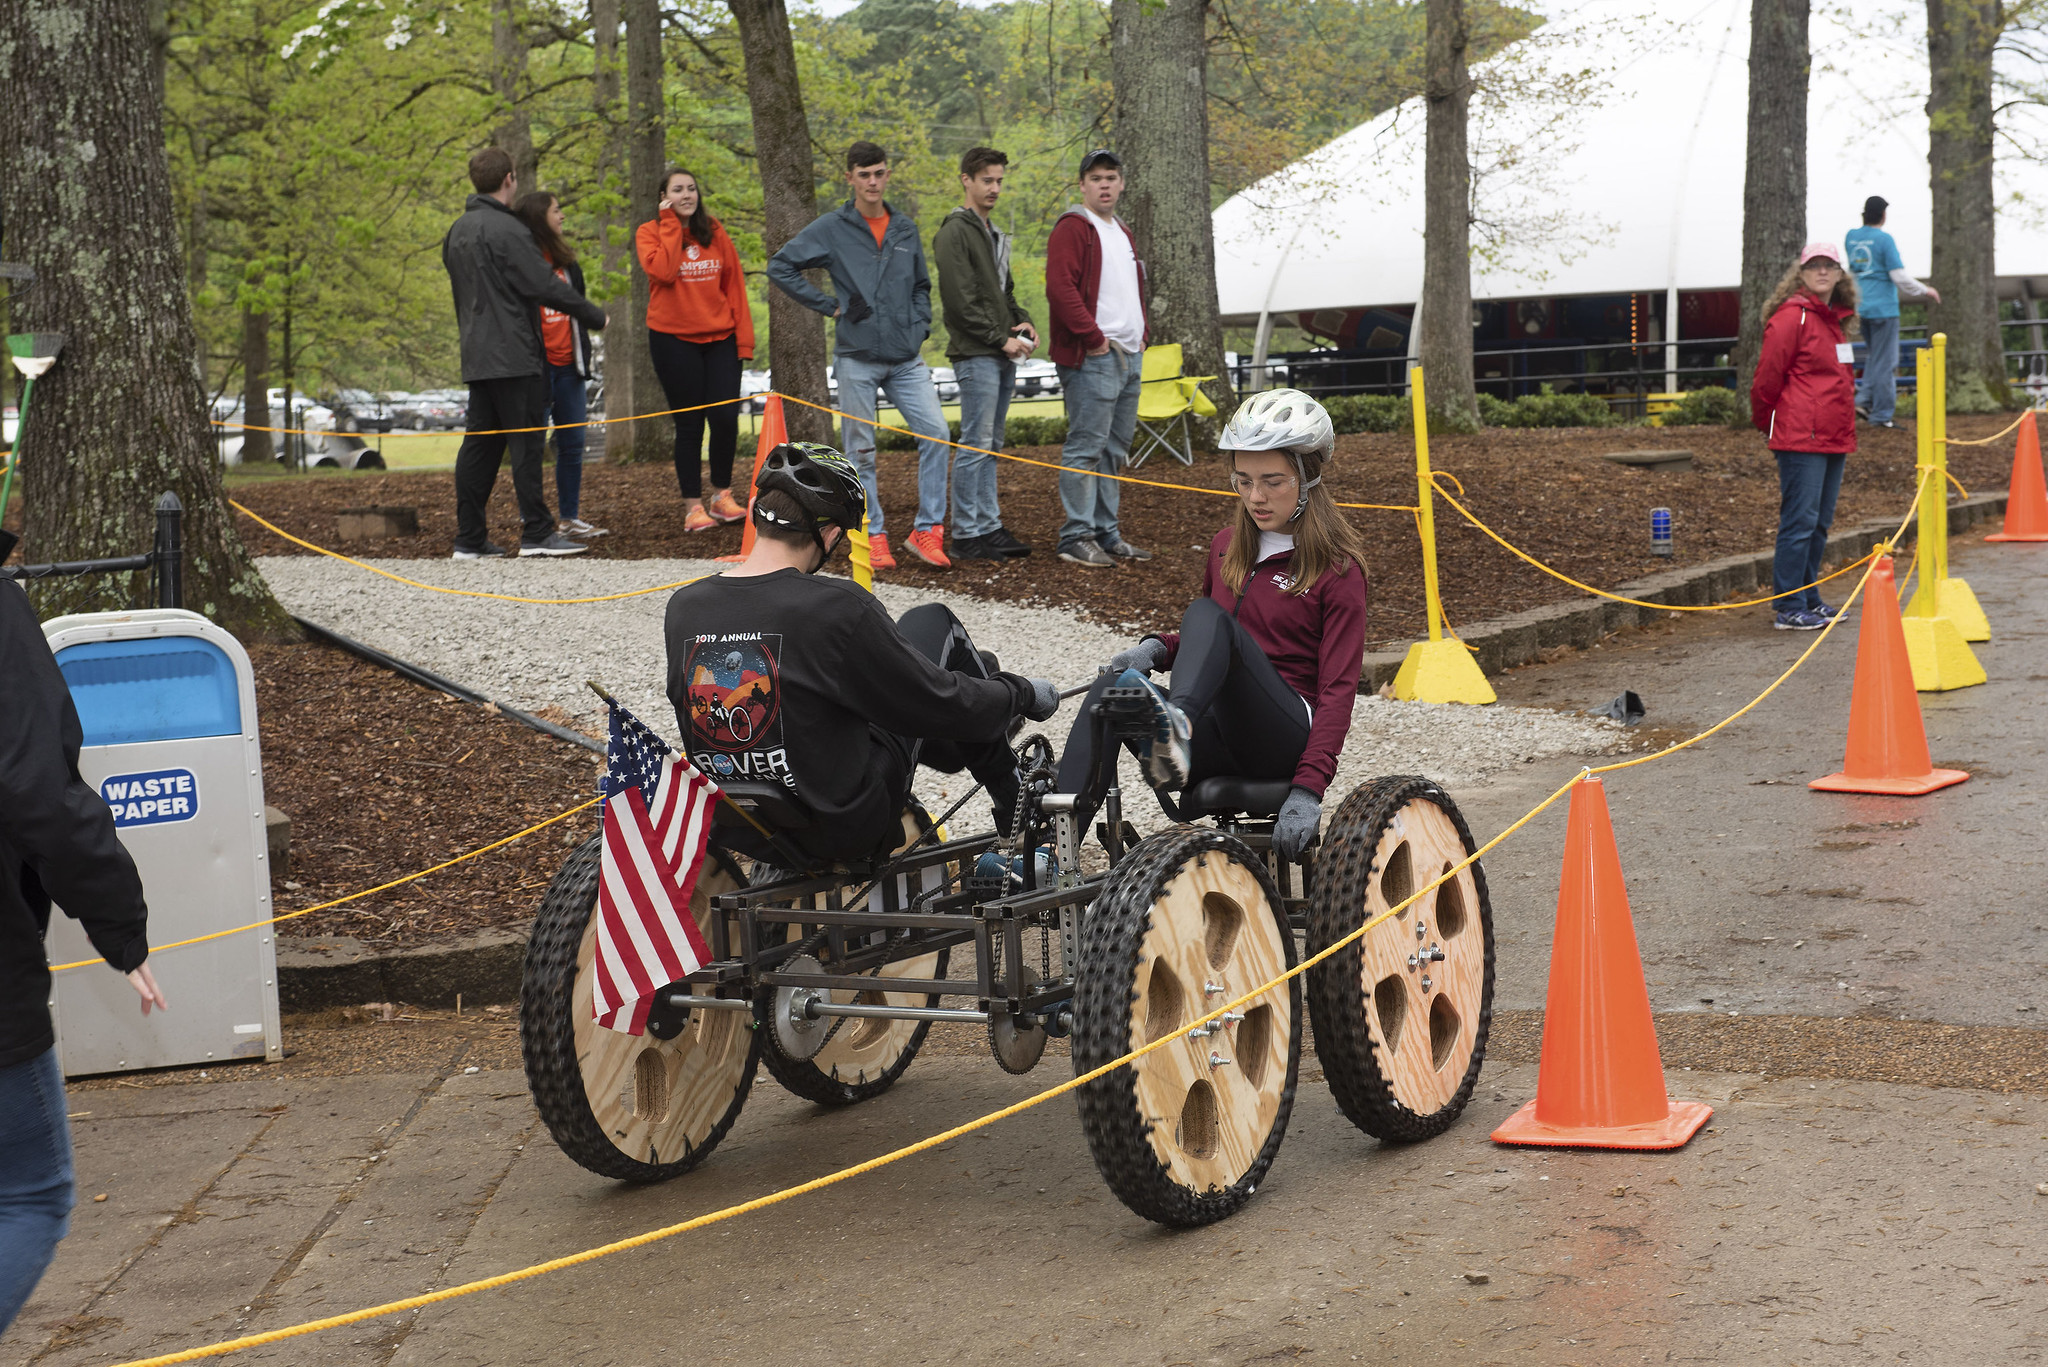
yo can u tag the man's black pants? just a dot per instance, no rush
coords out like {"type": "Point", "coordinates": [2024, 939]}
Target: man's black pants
{"type": "Point", "coordinates": [521, 401]}
{"type": "Point", "coordinates": [940, 638]}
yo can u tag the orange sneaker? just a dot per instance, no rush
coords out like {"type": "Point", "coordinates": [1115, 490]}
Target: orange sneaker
{"type": "Point", "coordinates": [726, 508]}
{"type": "Point", "coordinates": [929, 546]}
{"type": "Point", "coordinates": [697, 520]}
{"type": "Point", "coordinates": [878, 552]}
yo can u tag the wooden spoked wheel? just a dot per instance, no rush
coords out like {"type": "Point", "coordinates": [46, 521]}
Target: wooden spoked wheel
{"type": "Point", "coordinates": [1189, 921]}
{"type": "Point", "coordinates": [636, 1107]}
{"type": "Point", "coordinates": [861, 1057]}
{"type": "Point", "coordinates": [1401, 1014]}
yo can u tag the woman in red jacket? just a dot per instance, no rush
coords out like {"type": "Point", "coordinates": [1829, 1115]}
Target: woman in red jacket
{"type": "Point", "coordinates": [1803, 399]}
{"type": "Point", "coordinates": [1266, 663]}
{"type": "Point", "coordinates": [700, 327]}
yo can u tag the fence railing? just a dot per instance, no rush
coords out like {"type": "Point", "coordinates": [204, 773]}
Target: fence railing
{"type": "Point", "coordinates": [166, 557]}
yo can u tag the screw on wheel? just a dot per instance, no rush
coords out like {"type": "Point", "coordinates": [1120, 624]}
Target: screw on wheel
{"type": "Point", "coordinates": [1188, 921]}
{"type": "Point", "coordinates": [642, 1108]}
{"type": "Point", "coordinates": [1401, 1015]}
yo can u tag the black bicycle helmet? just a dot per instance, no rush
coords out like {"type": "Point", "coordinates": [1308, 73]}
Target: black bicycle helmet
{"type": "Point", "coordinates": [824, 484]}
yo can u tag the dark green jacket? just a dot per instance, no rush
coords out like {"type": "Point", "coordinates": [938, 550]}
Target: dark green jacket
{"type": "Point", "coordinates": [979, 297]}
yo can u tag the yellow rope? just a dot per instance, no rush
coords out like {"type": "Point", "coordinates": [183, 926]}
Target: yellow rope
{"type": "Point", "coordinates": [1985, 441]}
{"type": "Point", "coordinates": [1641, 603]}
{"type": "Point", "coordinates": [276, 530]}
{"type": "Point", "coordinates": [1951, 478]}
{"type": "Point", "coordinates": [381, 887]}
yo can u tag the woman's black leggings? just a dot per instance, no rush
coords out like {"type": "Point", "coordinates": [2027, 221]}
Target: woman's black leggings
{"type": "Point", "coordinates": [693, 373]}
{"type": "Point", "coordinates": [1247, 722]}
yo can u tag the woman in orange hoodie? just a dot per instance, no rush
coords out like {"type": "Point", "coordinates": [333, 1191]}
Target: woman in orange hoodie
{"type": "Point", "coordinates": [699, 329]}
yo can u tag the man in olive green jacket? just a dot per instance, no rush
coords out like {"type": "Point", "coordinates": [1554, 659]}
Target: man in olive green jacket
{"type": "Point", "coordinates": [986, 335]}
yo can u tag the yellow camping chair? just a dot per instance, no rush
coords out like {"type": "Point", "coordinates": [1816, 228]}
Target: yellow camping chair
{"type": "Point", "coordinates": [1165, 400]}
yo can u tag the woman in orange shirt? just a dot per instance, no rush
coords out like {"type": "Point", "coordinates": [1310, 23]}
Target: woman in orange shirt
{"type": "Point", "coordinates": [700, 327]}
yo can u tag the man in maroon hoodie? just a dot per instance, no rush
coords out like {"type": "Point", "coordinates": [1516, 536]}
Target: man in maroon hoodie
{"type": "Point", "coordinates": [1095, 292]}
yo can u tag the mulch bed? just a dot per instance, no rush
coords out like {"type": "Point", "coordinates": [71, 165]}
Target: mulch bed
{"type": "Point", "coordinates": [382, 778]}
{"type": "Point", "coordinates": [1546, 490]}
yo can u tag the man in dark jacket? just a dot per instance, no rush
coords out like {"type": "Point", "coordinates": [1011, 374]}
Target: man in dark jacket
{"type": "Point", "coordinates": [883, 305]}
{"type": "Point", "coordinates": [1095, 299]}
{"type": "Point", "coordinates": [987, 333]}
{"type": "Point", "coordinates": [500, 280]}
{"type": "Point", "coordinates": [57, 841]}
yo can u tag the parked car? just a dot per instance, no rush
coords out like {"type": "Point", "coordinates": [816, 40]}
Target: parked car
{"type": "Point", "coordinates": [754, 387]}
{"type": "Point", "coordinates": [1035, 378]}
{"type": "Point", "coordinates": [324, 447]}
{"type": "Point", "coordinates": [441, 410]}
{"type": "Point", "coordinates": [358, 410]}
{"type": "Point", "coordinates": [10, 423]}
{"type": "Point", "coordinates": [947, 383]}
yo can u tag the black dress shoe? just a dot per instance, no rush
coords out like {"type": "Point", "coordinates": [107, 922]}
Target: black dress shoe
{"type": "Point", "coordinates": [1007, 544]}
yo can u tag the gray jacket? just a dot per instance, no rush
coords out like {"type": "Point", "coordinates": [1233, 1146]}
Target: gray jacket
{"type": "Point", "coordinates": [886, 291]}
{"type": "Point", "coordinates": [500, 280]}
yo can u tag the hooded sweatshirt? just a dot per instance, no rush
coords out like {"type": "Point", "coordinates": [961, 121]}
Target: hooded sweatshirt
{"type": "Point", "coordinates": [694, 292]}
{"type": "Point", "coordinates": [1073, 284]}
{"type": "Point", "coordinates": [1803, 397]}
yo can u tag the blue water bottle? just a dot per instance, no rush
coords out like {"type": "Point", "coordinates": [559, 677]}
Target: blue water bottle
{"type": "Point", "coordinates": [1660, 531]}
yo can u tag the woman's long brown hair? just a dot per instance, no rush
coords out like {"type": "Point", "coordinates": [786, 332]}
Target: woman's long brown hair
{"type": "Point", "coordinates": [532, 209]}
{"type": "Point", "coordinates": [700, 222]}
{"type": "Point", "coordinates": [1843, 296]}
{"type": "Point", "coordinates": [1325, 542]}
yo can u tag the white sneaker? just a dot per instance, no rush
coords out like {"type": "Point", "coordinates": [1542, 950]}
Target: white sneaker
{"type": "Point", "coordinates": [576, 526]}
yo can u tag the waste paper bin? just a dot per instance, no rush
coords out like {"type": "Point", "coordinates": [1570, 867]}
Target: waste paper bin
{"type": "Point", "coordinates": [168, 705]}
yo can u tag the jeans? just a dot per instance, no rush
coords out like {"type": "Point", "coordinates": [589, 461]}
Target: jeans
{"type": "Point", "coordinates": [1807, 486]}
{"type": "Point", "coordinates": [1878, 389]}
{"type": "Point", "coordinates": [1247, 722]}
{"type": "Point", "coordinates": [1102, 416]}
{"type": "Point", "coordinates": [568, 402]}
{"type": "Point", "coordinates": [916, 399]}
{"type": "Point", "coordinates": [35, 1178]}
{"type": "Point", "coordinates": [521, 401]}
{"type": "Point", "coordinates": [693, 373]}
{"type": "Point", "coordinates": [986, 383]}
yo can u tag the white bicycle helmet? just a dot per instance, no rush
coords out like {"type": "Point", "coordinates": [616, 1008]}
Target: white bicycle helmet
{"type": "Point", "coordinates": [1283, 420]}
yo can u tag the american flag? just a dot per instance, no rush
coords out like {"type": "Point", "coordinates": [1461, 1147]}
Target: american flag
{"type": "Point", "coordinates": [657, 823]}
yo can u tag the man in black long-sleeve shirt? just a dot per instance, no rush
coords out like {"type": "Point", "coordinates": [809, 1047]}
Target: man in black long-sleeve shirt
{"type": "Point", "coordinates": [57, 841]}
{"type": "Point", "coordinates": [783, 677]}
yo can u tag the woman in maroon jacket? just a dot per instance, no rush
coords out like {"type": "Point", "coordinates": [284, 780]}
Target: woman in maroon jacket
{"type": "Point", "coordinates": [1804, 400]}
{"type": "Point", "coordinates": [1265, 664]}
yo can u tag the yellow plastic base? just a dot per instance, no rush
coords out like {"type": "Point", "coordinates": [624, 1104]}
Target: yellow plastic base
{"type": "Point", "coordinates": [1941, 661]}
{"type": "Point", "coordinates": [1441, 671]}
{"type": "Point", "coordinates": [1953, 600]}
{"type": "Point", "coordinates": [857, 560]}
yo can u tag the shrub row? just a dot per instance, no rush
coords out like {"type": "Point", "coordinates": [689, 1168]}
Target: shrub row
{"type": "Point", "coordinates": [1026, 429]}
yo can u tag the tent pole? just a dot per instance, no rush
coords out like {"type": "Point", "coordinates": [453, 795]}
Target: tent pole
{"type": "Point", "coordinates": [1414, 346]}
{"type": "Point", "coordinates": [1260, 345]}
{"type": "Point", "coordinates": [1671, 338]}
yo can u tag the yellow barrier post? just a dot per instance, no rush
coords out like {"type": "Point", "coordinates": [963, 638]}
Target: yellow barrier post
{"type": "Point", "coordinates": [1940, 658]}
{"type": "Point", "coordinates": [1952, 597]}
{"type": "Point", "coordinates": [857, 555]}
{"type": "Point", "coordinates": [1439, 669]}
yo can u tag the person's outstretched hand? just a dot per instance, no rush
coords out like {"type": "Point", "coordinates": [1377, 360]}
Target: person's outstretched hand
{"type": "Point", "coordinates": [1045, 699]}
{"type": "Point", "coordinates": [144, 983]}
{"type": "Point", "coordinates": [1300, 817]}
{"type": "Point", "coordinates": [1146, 656]}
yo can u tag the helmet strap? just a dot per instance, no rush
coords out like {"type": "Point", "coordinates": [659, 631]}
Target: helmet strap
{"type": "Point", "coordinates": [1301, 478]}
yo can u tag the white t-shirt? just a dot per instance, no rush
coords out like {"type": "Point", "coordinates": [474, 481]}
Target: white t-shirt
{"type": "Point", "coordinates": [1118, 311]}
{"type": "Point", "coordinates": [1272, 543]}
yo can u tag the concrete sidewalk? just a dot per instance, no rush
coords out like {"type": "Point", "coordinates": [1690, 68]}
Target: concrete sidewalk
{"type": "Point", "coordinates": [1815, 1223]}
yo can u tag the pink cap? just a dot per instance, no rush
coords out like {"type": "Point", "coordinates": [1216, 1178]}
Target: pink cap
{"type": "Point", "coordinates": [1826, 249]}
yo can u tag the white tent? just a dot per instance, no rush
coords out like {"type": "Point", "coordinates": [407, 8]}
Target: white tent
{"type": "Point", "coordinates": [1624, 178]}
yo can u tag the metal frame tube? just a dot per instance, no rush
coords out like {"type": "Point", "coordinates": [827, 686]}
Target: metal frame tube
{"type": "Point", "coordinates": [898, 1013]}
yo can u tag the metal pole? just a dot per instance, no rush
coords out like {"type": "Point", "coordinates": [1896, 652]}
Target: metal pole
{"type": "Point", "coordinates": [170, 551]}
{"type": "Point", "coordinates": [1425, 517]}
{"type": "Point", "coordinates": [1923, 604]}
{"type": "Point", "coordinates": [1936, 569]}
{"type": "Point", "coordinates": [28, 386]}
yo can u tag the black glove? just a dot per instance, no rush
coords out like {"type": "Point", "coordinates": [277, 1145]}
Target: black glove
{"type": "Point", "coordinates": [1146, 656]}
{"type": "Point", "coordinates": [1300, 817]}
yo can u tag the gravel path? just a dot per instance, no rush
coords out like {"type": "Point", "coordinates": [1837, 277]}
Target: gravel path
{"type": "Point", "coordinates": [536, 657]}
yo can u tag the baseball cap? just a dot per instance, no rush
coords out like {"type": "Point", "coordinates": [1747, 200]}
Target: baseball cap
{"type": "Point", "coordinates": [1876, 204]}
{"type": "Point", "coordinates": [1101, 156]}
{"type": "Point", "coordinates": [1823, 249]}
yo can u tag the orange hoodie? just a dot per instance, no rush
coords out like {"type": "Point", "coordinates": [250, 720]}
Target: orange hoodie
{"type": "Point", "coordinates": [694, 292]}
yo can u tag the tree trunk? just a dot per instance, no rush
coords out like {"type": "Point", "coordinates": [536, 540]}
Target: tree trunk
{"type": "Point", "coordinates": [1445, 347]}
{"type": "Point", "coordinates": [616, 228]}
{"type": "Point", "coordinates": [256, 444]}
{"type": "Point", "coordinates": [122, 416]}
{"type": "Point", "coordinates": [1960, 37]}
{"type": "Point", "coordinates": [789, 201]}
{"type": "Point", "coordinates": [514, 132]}
{"type": "Point", "coordinates": [1774, 177]}
{"type": "Point", "coordinates": [1158, 58]}
{"type": "Point", "coordinates": [646, 158]}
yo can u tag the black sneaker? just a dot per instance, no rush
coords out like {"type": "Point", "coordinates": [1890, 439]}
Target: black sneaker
{"type": "Point", "coordinates": [1086, 553]}
{"type": "Point", "coordinates": [1009, 545]}
{"type": "Point", "coordinates": [556, 544]}
{"type": "Point", "coordinates": [1122, 549]}
{"type": "Point", "coordinates": [1863, 411]}
{"type": "Point", "coordinates": [977, 548]}
{"type": "Point", "coordinates": [483, 552]}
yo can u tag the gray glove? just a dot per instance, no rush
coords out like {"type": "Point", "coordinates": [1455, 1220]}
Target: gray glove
{"type": "Point", "coordinates": [1045, 699]}
{"type": "Point", "coordinates": [1300, 817]}
{"type": "Point", "coordinates": [1146, 656]}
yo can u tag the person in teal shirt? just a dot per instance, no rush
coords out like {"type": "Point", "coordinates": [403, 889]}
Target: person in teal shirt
{"type": "Point", "coordinates": [1880, 279]}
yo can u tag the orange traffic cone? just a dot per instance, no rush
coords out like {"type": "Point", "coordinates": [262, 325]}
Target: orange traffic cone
{"type": "Point", "coordinates": [2026, 497]}
{"type": "Point", "coordinates": [1601, 1082]}
{"type": "Point", "coordinates": [1887, 739]}
{"type": "Point", "coordinates": [773, 434]}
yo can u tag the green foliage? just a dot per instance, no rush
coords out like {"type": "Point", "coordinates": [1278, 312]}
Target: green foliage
{"type": "Point", "coordinates": [1713, 406]}
{"type": "Point", "coordinates": [1970, 394]}
{"type": "Point", "coordinates": [1547, 409]}
{"type": "Point", "coordinates": [1908, 406]}
{"type": "Point", "coordinates": [1368, 412]}
{"type": "Point", "coordinates": [1026, 429]}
